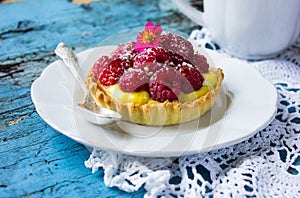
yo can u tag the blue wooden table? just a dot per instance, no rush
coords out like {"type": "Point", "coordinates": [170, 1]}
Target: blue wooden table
{"type": "Point", "coordinates": [36, 160]}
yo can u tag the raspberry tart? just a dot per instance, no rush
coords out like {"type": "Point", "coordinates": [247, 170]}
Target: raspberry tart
{"type": "Point", "coordinates": [157, 80]}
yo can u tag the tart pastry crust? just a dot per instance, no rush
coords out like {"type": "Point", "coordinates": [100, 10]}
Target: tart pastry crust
{"type": "Point", "coordinates": [158, 114]}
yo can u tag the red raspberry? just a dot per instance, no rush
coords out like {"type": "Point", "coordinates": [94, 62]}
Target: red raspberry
{"type": "Point", "coordinates": [146, 56]}
{"type": "Point", "coordinates": [164, 85]}
{"type": "Point", "coordinates": [151, 55]}
{"type": "Point", "coordinates": [150, 67]}
{"type": "Point", "coordinates": [177, 44]}
{"type": "Point", "coordinates": [124, 49]}
{"type": "Point", "coordinates": [134, 80]}
{"type": "Point", "coordinates": [124, 62]}
{"type": "Point", "coordinates": [161, 55]}
{"type": "Point", "coordinates": [100, 64]}
{"type": "Point", "coordinates": [191, 78]}
{"type": "Point", "coordinates": [200, 62]}
{"type": "Point", "coordinates": [176, 59]}
{"type": "Point", "coordinates": [151, 58]}
{"type": "Point", "coordinates": [111, 74]}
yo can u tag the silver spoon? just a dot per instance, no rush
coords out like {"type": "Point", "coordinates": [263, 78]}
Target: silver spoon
{"type": "Point", "coordinates": [88, 109]}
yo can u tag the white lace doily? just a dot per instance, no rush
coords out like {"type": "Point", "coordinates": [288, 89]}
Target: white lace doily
{"type": "Point", "coordinates": [265, 165]}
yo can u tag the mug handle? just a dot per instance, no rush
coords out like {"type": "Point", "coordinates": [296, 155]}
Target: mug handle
{"type": "Point", "coordinates": [195, 15]}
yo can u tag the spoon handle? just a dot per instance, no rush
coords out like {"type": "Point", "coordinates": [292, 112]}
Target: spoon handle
{"type": "Point", "coordinates": [70, 60]}
{"type": "Point", "coordinates": [90, 111]}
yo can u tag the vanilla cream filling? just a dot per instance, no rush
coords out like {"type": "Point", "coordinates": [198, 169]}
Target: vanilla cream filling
{"type": "Point", "coordinates": [143, 97]}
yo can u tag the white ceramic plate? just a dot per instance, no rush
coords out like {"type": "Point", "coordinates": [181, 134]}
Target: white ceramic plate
{"type": "Point", "coordinates": [247, 103]}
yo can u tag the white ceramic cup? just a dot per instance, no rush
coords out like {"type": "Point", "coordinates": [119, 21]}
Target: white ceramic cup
{"type": "Point", "coordinates": [250, 29]}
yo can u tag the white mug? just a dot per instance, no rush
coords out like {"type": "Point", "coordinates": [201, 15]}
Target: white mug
{"type": "Point", "coordinates": [250, 29]}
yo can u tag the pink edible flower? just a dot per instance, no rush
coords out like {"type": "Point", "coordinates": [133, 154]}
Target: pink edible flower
{"type": "Point", "coordinates": [149, 37]}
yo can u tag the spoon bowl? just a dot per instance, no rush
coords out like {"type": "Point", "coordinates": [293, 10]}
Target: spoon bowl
{"type": "Point", "coordinates": [99, 116]}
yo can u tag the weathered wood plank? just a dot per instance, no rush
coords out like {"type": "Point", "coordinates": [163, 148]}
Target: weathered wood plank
{"type": "Point", "coordinates": [43, 162]}
{"type": "Point", "coordinates": [84, 26]}
{"type": "Point", "coordinates": [36, 160]}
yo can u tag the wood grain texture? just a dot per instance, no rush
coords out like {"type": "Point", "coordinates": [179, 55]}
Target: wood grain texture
{"type": "Point", "coordinates": [36, 160]}
{"type": "Point", "coordinates": [80, 2]}
{"type": "Point", "coordinates": [8, 1]}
